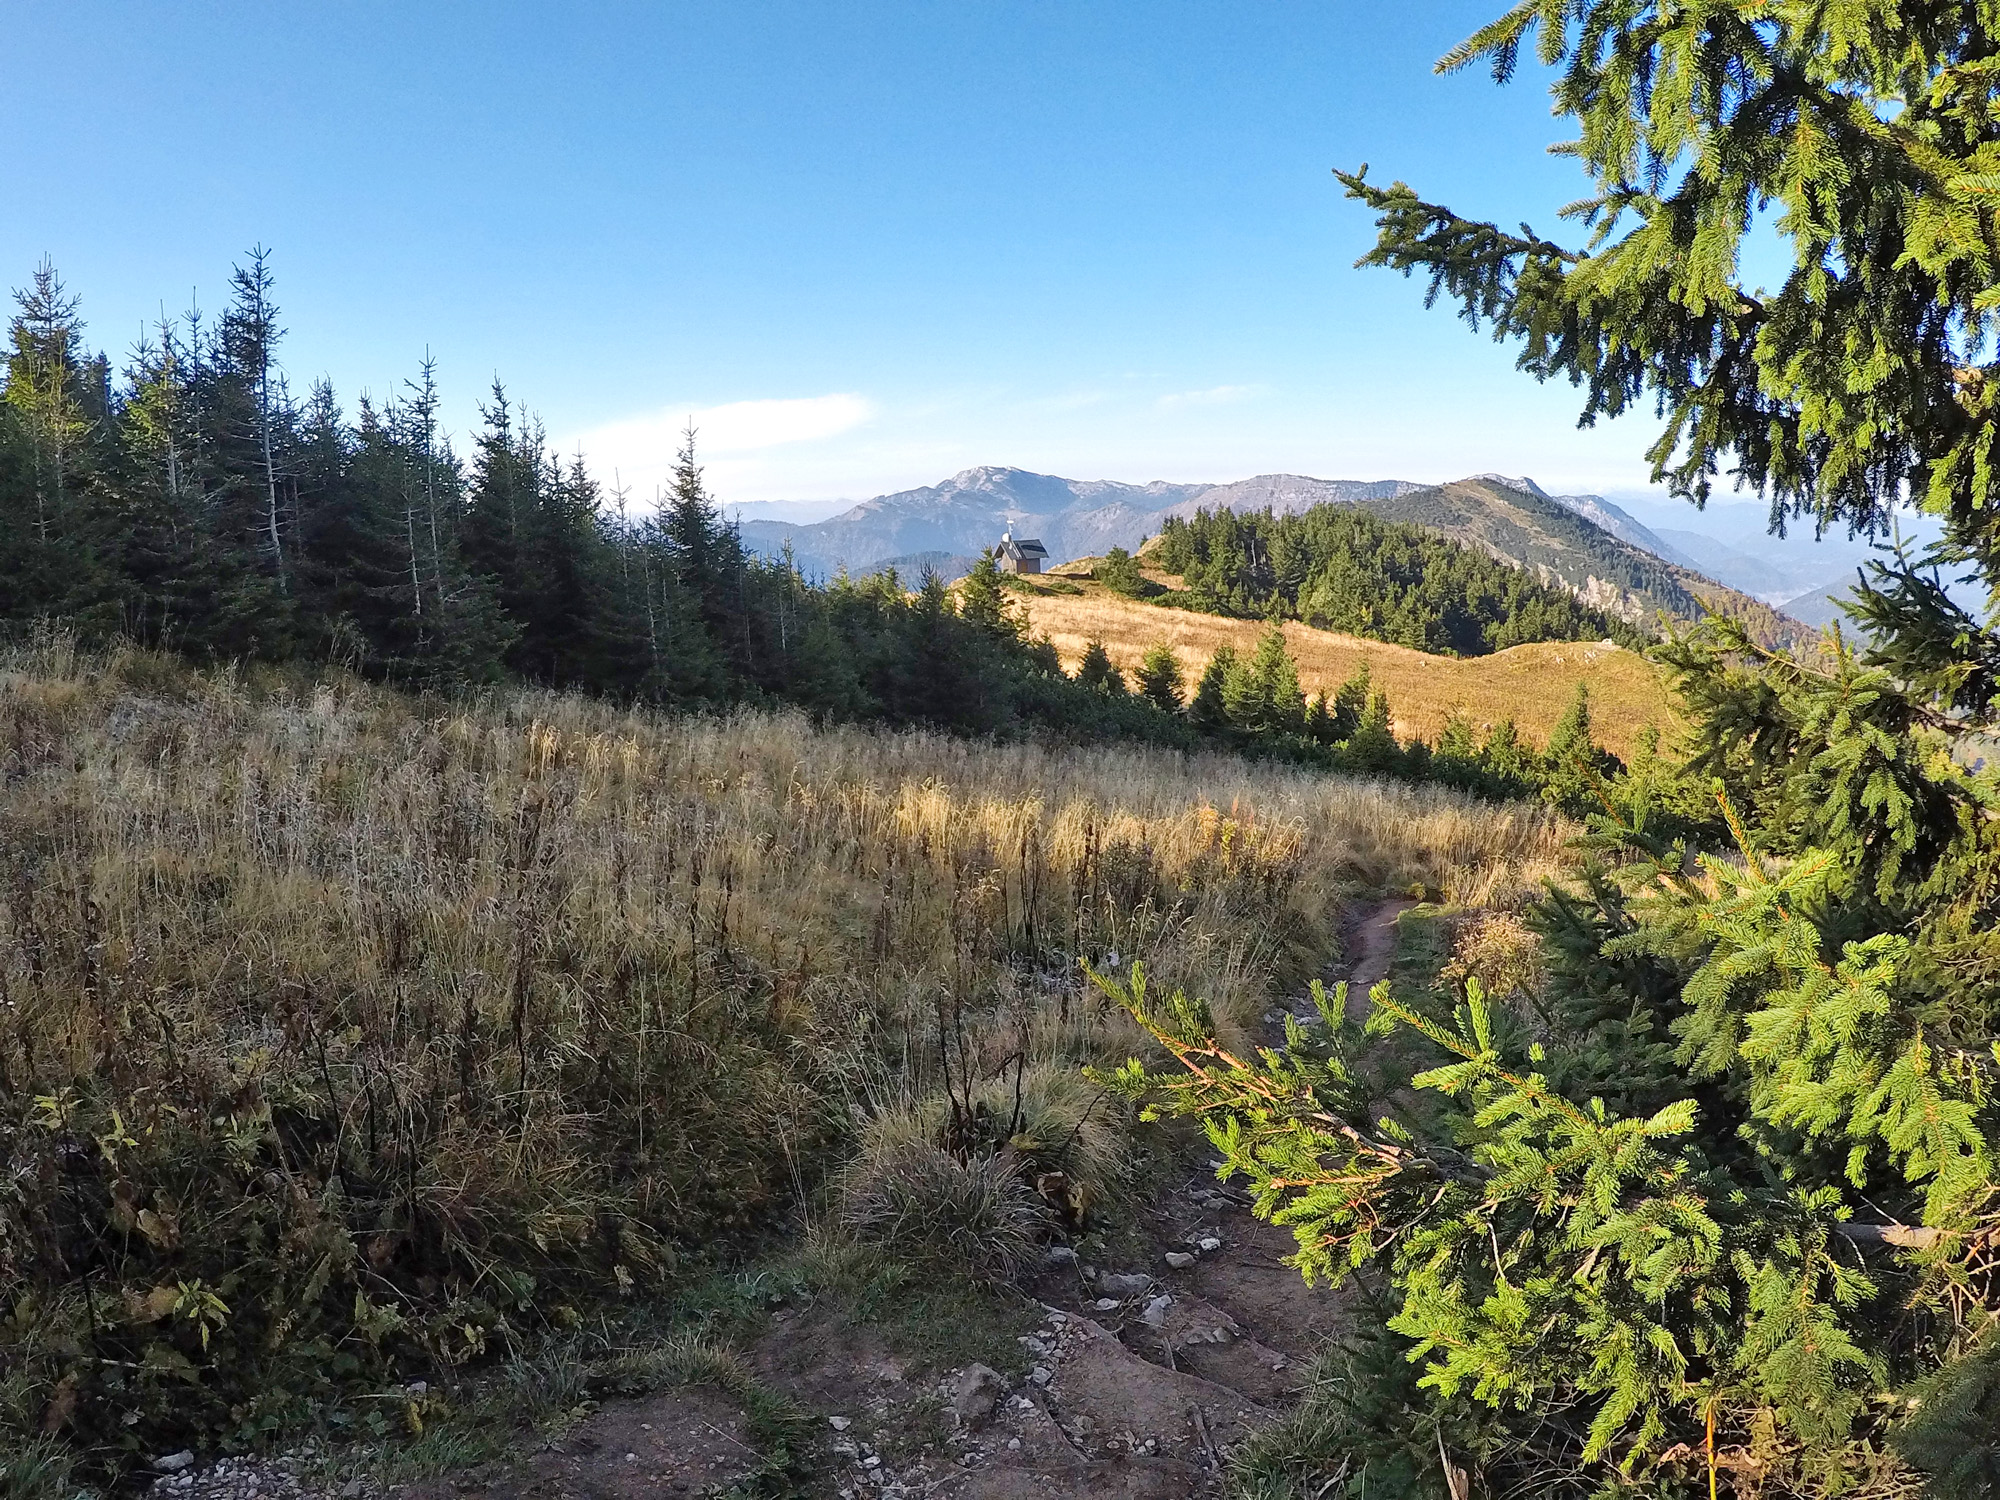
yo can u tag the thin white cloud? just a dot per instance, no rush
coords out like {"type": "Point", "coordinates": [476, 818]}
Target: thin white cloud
{"type": "Point", "coordinates": [643, 448]}
{"type": "Point", "coordinates": [1216, 395]}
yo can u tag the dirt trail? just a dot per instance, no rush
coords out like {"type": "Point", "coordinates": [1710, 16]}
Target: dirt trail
{"type": "Point", "coordinates": [1371, 945]}
{"type": "Point", "coordinates": [1142, 1376]}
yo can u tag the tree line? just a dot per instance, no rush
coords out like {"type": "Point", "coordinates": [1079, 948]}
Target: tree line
{"type": "Point", "coordinates": [191, 500]}
{"type": "Point", "coordinates": [1337, 567]}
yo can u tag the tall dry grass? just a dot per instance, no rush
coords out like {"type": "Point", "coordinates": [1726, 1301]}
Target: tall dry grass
{"type": "Point", "coordinates": [343, 1033]}
{"type": "Point", "coordinates": [1533, 685]}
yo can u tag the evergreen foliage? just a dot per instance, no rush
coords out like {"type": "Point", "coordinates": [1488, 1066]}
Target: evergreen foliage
{"type": "Point", "coordinates": [1119, 572]}
{"type": "Point", "coordinates": [1159, 681]}
{"type": "Point", "coordinates": [1340, 568]}
{"type": "Point", "coordinates": [1712, 1206]}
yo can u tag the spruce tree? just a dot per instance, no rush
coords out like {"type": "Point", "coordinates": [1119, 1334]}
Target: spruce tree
{"type": "Point", "coordinates": [1717, 1208]}
{"type": "Point", "coordinates": [1160, 680]}
{"type": "Point", "coordinates": [1097, 672]}
{"type": "Point", "coordinates": [47, 558]}
{"type": "Point", "coordinates": [1350, 702]}
{"type": "Point", "coordinates": [982, 599]}
{"type": "Point", "coordinates": [1208, 709]}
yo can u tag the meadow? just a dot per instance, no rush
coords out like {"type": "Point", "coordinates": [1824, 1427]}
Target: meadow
{"type": "Point", "coordinates": [1532, 684]}
{"type": "Point", "coordinates": [350, 1037]}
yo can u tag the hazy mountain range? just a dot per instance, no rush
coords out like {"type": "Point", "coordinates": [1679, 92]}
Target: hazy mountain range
{"type": "Point", "coordinates": [1635, 557]}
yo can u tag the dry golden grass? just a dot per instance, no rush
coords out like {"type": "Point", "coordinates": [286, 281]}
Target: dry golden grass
{"type": "Point", "coordinates": [368, 1009]}
{"type": "Point", "coordinates": [1531, 685]}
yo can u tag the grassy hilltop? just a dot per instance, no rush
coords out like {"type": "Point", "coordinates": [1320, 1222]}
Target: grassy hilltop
{"type": "Point", "coordinates": [1532, 684]}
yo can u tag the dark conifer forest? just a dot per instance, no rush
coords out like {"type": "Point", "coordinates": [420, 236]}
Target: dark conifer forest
{"type": "Point", "coordinates": [1337, 567]}
{"type": "Point", "coordinates": [189, 497]}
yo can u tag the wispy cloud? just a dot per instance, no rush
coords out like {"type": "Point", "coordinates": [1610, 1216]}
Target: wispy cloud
{"type": "Point", "coordinates": [642, 448]}
{"type": "Point", "coordinates": [1215, 395]}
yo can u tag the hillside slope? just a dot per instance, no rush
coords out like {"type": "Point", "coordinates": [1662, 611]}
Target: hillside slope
{"type": "Point", "coordinates": [1538, 532]}
{"type": "Point", "coordinates": [1531, 685]}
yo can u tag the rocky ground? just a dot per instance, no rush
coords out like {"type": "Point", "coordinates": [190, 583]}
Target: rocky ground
{"type": "Point", "coordinates": [1141, 1379]}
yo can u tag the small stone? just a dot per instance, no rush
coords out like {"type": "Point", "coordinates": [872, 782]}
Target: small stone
{"type": "Point", "coordinates": [1180, 1260]}
{"type": "Point", "coordinates": [1124, 1284]}
{"type": "Point", "coordinates": [418, 1387]}
{"type": "Point", "coordinates": [1041, 1375]}
{"type": "Point", "coordinates": [871, 1462]}
{"type": "Point", "coordinates": [1014, 1443]}
{"type": "Point", "coordinates": [1106, 1304]}
{"type": "Point", "coordinates": [1208, 1244]}
{"type": "Point", "coordinates": [173, 1463]}
{"type": "Point", "coordinates": [839, 1424]}
{"type": "Point", "coordinates": [978, 1391]}
{"type": "Point", "coordinates": [1155, 1314]}
{"type": "Point", "coordinates": [631, 1458]}
{"type": "Point", "coordinates": [1059, 1255]}
{"type": "Point", "coordinates": [351, 1490]}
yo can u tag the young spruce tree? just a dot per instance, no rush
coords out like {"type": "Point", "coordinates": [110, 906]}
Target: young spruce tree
{"type": "Point", "coordinates": [1716, 1210]}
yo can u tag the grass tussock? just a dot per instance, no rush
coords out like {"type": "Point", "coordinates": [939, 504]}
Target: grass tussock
{"type": "Point", "coordinates": [347, 1037]}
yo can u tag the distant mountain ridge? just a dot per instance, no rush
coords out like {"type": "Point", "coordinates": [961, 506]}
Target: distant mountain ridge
{"type": "Point", "coordinates": [1559, 538]}
{"type": "Point", "coordinates": [1584, 542]}
{"type": "Point", "coordinates": [1073, 517]}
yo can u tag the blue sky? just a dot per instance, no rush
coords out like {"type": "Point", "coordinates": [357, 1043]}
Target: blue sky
{"type": "Point", "coordinates": [869, 244]}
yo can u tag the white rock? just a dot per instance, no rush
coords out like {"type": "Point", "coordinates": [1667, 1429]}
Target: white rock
{"type": "Point", "coordinates": [1180, 1260]}
{"type": "Point", "coordinates": [173, 1463]}
{"type": "Point", "coordinates": [839, 1424]}
{"type": "Point", "coordinates": [1041, 1374]}
{"type": "Point", "coordinates": [1106, 1304]}
{"type": "Point", "coordinates": [1155, 1314]}
{"type": "Point", "coordinates": [1208, 1244]}
{"type": "Point", "coordinates": [1013, 1443]}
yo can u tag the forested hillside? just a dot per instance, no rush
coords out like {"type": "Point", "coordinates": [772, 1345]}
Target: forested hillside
{"type": "Point", "coordinates": [1336, 567]}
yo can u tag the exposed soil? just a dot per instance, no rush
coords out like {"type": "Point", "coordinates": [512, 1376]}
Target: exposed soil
{"type": "Point", "coordinates": [1142, 1377]}
{"type": "Point", "coordinates": [1371, 947]}
{"type": "Point", "coordinates": [689, 1441]}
